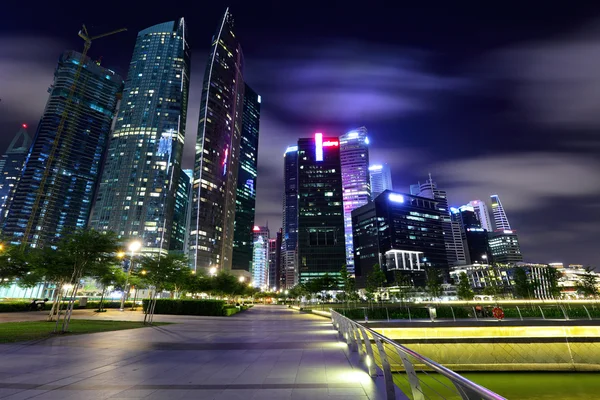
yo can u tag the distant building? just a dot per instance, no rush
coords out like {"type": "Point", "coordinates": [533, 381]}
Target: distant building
{"type": "Point", "coordinates": [381, 179]}
{"type": "Point", "coordinates": [354, 158]}
{"type": "Point", "coordinates": [260, 257]}
{"type": "Point", "coordinates": [500, 220]}
{"type": "Point", "coordinates": [401, 232]}
{"type": "Point", "coordinates": [504, 247]}
{"type": "Point", "coordinates": [138, 192]}
{"type": "Point", "coordinates": [290, 217]}
{"type": "Point", "coordinates": [11, 165]}
{"type": "Point", "coordinates": [245, 201]}
{"type": "Point", "coordinates": [321, 242]}
{"type": "Point", "coordinates": [480, 209]}
{"type": "Point", "coordinates": [475, 238]}
{"type": "Point", "coordinates": [275, 261]}
{"type": "Point", "coordinates": [57, 185]}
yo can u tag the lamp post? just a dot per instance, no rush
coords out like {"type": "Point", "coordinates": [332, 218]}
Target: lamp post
{"type": "Point", "coordinates": [213, 271]}
{"type": "Point", "coordinates": [133, 247]}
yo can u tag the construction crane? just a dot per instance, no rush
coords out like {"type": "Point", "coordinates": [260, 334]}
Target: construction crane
{"type": "Point", "coordinates": [87, 39]}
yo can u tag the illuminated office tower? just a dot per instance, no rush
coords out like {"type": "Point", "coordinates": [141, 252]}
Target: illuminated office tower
{"type": "Point", "coordinates": [483, 215]}
{"type": "Point", "coordinates": [290, 216]}
{"type": "Point", "coordinates": [11, 165]}
{"type": "Point", "coordinates": [138, 192]}
{"type": "Point", "coordinates": [500, 220]}
{"type": "Point", "coordinates": [354, 160]}
{"type": "Point", "coordinates": [321, 242]}
{"type": "Point", "coordinates": [245, 202]}
{"type": "Point", "coordinates": [56, 188]}
{"type": "Point", "coordinates": [181, 212]}
{"type": "Point", "coordinates": [260, 257]}
{"type": "Point", "coordinates": [275, 261]}
{"type": "Point", "coordinates": [218, 152]}
{"type": "Point", "coordinates": [381, 179]}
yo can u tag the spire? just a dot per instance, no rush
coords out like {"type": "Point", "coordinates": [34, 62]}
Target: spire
{"type": "Point", "coordinates": [25, 139]}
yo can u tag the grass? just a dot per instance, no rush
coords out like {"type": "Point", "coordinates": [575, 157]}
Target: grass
{"type": "Point", "coordinates": [34, 330]}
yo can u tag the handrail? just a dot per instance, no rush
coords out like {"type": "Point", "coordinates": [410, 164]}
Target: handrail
{"type": "Point", "coordinates": [455, 378]}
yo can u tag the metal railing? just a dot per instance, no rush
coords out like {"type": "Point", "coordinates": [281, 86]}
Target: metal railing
{"type": "Point", "coordinates": [404, 369]}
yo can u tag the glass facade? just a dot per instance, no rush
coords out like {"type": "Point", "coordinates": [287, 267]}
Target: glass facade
{"type": "Point", "coordinates": [140, 182]}
{"type": "Point", "coordinates": [181, 215]}
{"type": "Point", "coordinates": [381, 179]}
{"type": "Point", "coordinates": [218, 152]}
{"type": "Point", "coordinates": [260, 257]}
{"type": "Point", "coordinates": [11, 165]}
{"type": "Point", "coordinates": [321, 243]}
{"type": "Point", "coordinates": [395, 221]}
{"type": "Point", "coordinates": [505, 248]}
{"type": "Point", "coordinates": [290, 216]}
{"type": "Point", "coordinates": [245, 202]}
{"type": "Point", "coordinates": [354, 158]}
{"type": "Point", "coordinates": [500, 220]}
{"type": "Point", "coordinates": [68, 167]}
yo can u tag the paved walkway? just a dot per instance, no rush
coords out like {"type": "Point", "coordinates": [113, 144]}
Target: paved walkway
{"type": "Point", "coordinates": [267, 352]}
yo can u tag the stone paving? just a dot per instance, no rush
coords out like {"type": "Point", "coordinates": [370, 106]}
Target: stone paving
{"type": "Point", "coordinates": [267, 352]}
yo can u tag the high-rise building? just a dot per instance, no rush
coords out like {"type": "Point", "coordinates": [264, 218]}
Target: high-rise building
{"type": "Point", "coordinates": [354, 159]}
{"type": "Point", "coordinates": [500, 220]}
{"type": "Point", "coordinates": [11, 165]}
{"type": "Point", "coordinates": [483, 215]}
{"type": "Point", "coordinates": [138, 191]}
{"type": "Point", "coordinates": [321, 243]}
{"type": "Point", "coordinates": [218, 152]}
{"type": "Point", "coordinates": [246, 182]}
{"type": "Point", "coordinates": [260, 257]}
{"type": "Point", "coordinates": [57, 186]}
{"type": "Point", "coordinates": [453, 240]}
{"type": "Point", "coordinates": [381, 179]}
{"type": "Point", "coordinates": [275, 261]}
{"type": "Point", "coordinates": [504, 247]}
{"type": "Point", "coordinates": [181, 213]}
{"type": "Point", "coordinates": [400, 232]}
{"type": "Point", "coordinates": [475, 237]}
{"type": "Point", "coordinates": [290, 216]}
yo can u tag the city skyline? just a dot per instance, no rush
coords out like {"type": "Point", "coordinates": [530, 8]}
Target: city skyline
{"type": "Point", "coordinates": [542, 178]}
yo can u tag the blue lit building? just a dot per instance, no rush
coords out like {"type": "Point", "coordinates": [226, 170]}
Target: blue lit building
{"type": "Point", "coordinates": [11, 165]}
{"type": "Point", "coordinates": [246, 182]}
{"type": "Point", "coordinates": [68, 171]}
{"type": "Point", "coordinates": [138, 192]}
{"type": "Point", "coordinates": [260, 257]}
{"type": "Point", "coordinates": [181, 212]}
{"type": "Point", "coordinates": [290, 217]}
{"type": "Point", "coordinates": [381, 179]}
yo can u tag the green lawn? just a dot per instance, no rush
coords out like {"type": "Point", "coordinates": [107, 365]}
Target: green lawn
{"type": "Point", "coordinates": [23, 331]}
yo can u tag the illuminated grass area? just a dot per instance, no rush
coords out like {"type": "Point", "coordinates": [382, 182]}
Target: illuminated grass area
{"type": "Point", "coordinates": [35, 330]}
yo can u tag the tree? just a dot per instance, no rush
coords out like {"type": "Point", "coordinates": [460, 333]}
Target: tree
{"type": "Point", "coordinates": [552, 276]}
{"type": "Point", "coordinates": [404, 284]}
{"type": "Point", "coordinates": [14, 264]}
{"type": "Point", "coordinates": [434, 282]}
{"type": "Point", "coordinates": [115, 276]}
{"type": "Point", "coordinates": [375, 280]}
{"type": "Point", "coordinates": [524, 288]}
{"type": "Point", "coordinates": [463, 288]}
{"type": "Point", "coordinates": [587, 285]}
{"type": "Point", "coordinates": [347, 285]}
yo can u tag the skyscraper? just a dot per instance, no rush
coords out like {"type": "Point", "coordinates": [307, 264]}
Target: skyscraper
{"type": "Point", "coordinates": [483, 215]}
{"type": "Point", "coordinates": [181, 213]}
{"type": "Point", "coordinates": [275, 261]}
{"type": "Point", "coordinates": [321, 242]}
{"type": "Point", "coordinates": [140, 181]}
{"type": "Point", "coordinates": [290, 216]}
{"type": "Point", "coordinates": [354, 159]}
{"type": "Point", "coordinates": [474, 236]}
{"type": "Point", "coordinates": [381, 179]}
{"type": "Point", "coordinates": [246, 182]}
{"type": "Point", "coordinates": [400, 232]}
{"type": "Point", "coordinates": [11, 165]}
{"type": "Point", "coordinates": [260, 257]}
{"type": "Point", "coordinates": [500, 220]}
{"type": "Point", "coordinates": [505, 248]}
{"type": "Point", "coordinates": [57, 186]}
{"type": "Point", "coordinates": [218, 152]}
{"type": "Point", "coordinates": [453, 240]}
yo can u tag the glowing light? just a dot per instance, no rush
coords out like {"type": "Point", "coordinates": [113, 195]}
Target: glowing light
{"type": "Point", "coordinates": [352, 135]}
{"type": "Point", "coordinates": [319, 146]}
{"type": "Point", "coordinates": [375, 167]}
{"type": "Point", "coordinates": [396, 198]}
{"type": "Point", "coordinates": [454, 210]}
{"type": "Point", "coordinates": [368, 361]}
{"type": "Point", "coordinates": [256, 228]}
{"type": "Point", "coordinates": [135, 246]}
{"type": "Point", "coordinates": [242, 279]}
{"type": "Point", "coordinates": [506, 231]}
{"type": "Point", "coordinates": [466, 208]}
{"type": "Point", "coordinates": [225, 161]}
{"type": "Point", "coordinates": [259, 99]}
{"type": "Point", "coordinates": [290, 149]}
{"type": "Point", "coordinates": [367, 140]}
{"type": "Point", "coordinates": [331, 143]}
{"type": "Point", "coordinates": [24, 126]}
{"type": "Point", "coordinates": [213, 270]}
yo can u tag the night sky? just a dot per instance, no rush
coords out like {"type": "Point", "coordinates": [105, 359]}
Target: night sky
{"type": "Point", "coordinates": [490, 100]}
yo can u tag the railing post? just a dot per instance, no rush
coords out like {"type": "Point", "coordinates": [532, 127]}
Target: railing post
{"type": "Point", "coordinates": [466, 393]}
{"type": "Point", "coordinates": [519, 311]}
{"type": "Point", "coordinates": [413, 379]}
{"type": "Point", "coordinates": [588, 313]}
{"type": "Point", "coordinates": [390, 387]}
{"type": "Point", "coordinates": [369, 349]}
{"type": "Point", "coordinates": [543, 317]}
{"type": "Point", "coordinates": [351, 337]}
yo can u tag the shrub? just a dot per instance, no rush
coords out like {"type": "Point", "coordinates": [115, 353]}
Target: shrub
{"type": "Point", "coordinates": [187, 307]}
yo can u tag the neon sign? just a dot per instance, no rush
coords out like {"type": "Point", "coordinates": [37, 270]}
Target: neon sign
{"type": "Point", "coordinates": [225, 161]}
{"type": "Point", "coordinates": [319, 146]}
{"type": "Point", "coordinates": [331, 143]}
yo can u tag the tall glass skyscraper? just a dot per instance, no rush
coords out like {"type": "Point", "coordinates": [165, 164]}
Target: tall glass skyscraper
{"type": "Point", "coordinates": [246, 182]}
{"type": "Point", "coordinates": [354, 159]}
{"type": "Point", "coordinates": [67, 167]}
{"type": "Point", "coordinates": [138, 190]}
{"type": "Point", "coordinates": [321, 241]}
{"type": "Point", "coordinates": [500, 220]}
{"type": "Point", "coordinates": [260, 257]}
{"type": "Point", "coordinates": [290, 216]}
{"type": "Point", "coordinates": [181, 216]}
{"type": "Point", "coordinates": [11, 165]}
{"type": "Point", "coordinates": [218, 152]}
{"type": "Point", "coordinates": [381, 179]}
{"type": "Point", "coordinates": [482, 213]}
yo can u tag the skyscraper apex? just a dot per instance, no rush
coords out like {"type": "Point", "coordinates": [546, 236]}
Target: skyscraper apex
{"type": "Point", "coordinates": [500, 219]}
{"type": "Point", "coordinates": [381, 179]}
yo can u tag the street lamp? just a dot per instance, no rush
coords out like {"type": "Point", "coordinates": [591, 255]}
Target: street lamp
{"type": "Point", "coordinates": [242, 279]}
{"type": "Point", "coordinates": [133, 247]}
{"type": "Point", "coordinates": [213, 271]}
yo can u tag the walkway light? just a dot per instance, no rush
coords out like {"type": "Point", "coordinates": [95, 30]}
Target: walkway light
{"type": "Point", "coordinates": [242, 279]}
{"type": "Point", "coordinates": [213, 270]}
